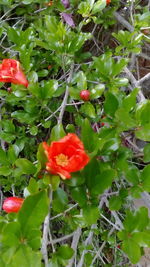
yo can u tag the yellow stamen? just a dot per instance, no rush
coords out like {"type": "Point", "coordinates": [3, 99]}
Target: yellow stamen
{"type": "Point", "coordinates": [62, 160]}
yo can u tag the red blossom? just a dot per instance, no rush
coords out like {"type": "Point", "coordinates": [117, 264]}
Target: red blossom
{"type": "Point", "coordinates": [12, 204]}
{"type": "Point", "coordinates": [65, 156]}
{"type": "Point", "coordinates": [108, 2]}
{"type": "Point", "coordinates": [11, 72]}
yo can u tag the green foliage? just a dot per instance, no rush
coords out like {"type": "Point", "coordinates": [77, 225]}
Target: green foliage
{"type": "Point", "coordinates": [64, 49]}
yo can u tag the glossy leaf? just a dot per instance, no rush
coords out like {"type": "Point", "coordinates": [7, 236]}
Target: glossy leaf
{"type": "Point", "coordinates": [34, 206]}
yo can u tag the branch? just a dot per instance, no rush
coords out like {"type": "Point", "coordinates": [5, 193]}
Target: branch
{"type": "Point", "coordinates": [87, 242]}
{"type": "Point", "coordinates": [63, 105]}
{"type": "Point", "coordinates": [101, 248]}
{"type": "Point", "coordinates": [144, 79]}
{"type": "Point", "coordinates": [90, 236]}
{"type": "Point", "coordinates": [135, 84]}
{"type": "Point", "coordinates": [45, 233]}
{"type": "Point", "coordinates": [124, 22]}
{"type": "Point", "coordinates": [74, 245]}
{"type": "Point", "coordinates": [63, 238]}
{"type": "Point", "coordinates": [63, 213]}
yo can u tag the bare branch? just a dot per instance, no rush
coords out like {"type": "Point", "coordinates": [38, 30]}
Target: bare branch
{"type": "Point", "coordinates": [124, 22]}
{"type": "Point", "coordinates": [74, 245]}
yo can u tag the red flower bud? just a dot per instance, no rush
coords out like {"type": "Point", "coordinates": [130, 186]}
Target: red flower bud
{"type": "Point", "coordinates": [65, 156]}
{"type": "Point", "coordinates": [11, 72]}
{"type": "Point", "coordinates": [12, 204]}
{"type": "Point", "coordinates": [85, 95]}
{"type": "Point", "coordinates": [108, 2]}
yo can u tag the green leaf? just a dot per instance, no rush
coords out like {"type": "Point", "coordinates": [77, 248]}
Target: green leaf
{"type": "Point", "coordinates": [33, 186]}
{"type": "Point", "coordinates": [129, 101]}
{"type": "Point", "coordinates": [53, 180]}
{"type": "Point", "coordinates": [115, 203]}
{"type": "Point", "coordinates": [97, 91]}
{"type": "Point", "coordinates": [5, 170]}
{"type": "Point", "coordinates": [76, 180]}
{"type": "Point", "coordinates": [124, 119]}
{"type": "Point", "coordinates": [98, 6]}
{"type": "Point", "coordinates": [42, 73]}
{"type": "Point", "coordinates": [3, 157]}
{"type": "Point", "coordinates": [88, 110]}
{"type": "Point", "coordinates": [12, 153]}
{"type": "Point", "coordinates": [141, 113]}
{"type": "Point", "coordinates": [25, 166]}
{"type": "Point", "coordinates": [142, 238]}
{"type": "Point", "coordinates": [8, 126]}
{"type": "Point", "coordinates": [34, 239]}
{"type": "Point", "coordinates": [47, 89]}
{"type": "Point", "coordinates": [133, 175]}
{"type": "Point", "coordinates": [34, 130]}
{"type": "Point", "coordinates": [132, 249]}
{"type": "Point", "coordinates": [143, 132]}
{"type": "Point", "coordinates": [89, 137]}
{"type": "Point", "coordinates": [91, 171]}
{"type": "Point", "coordinates": [74, 93]}
{"type": "Point", "coordinates": [65, 252]}
{"type": "Point", "coordinates": [142, 218]}
{"type": "Point", "coordinates": [60, 200]}
{"type": "Point", "coordinates": [79, 195]}
{"type": "Point", "coordinates": [111, 104]}
{"type": "Point", "coordinates": [11, 234]}
{"type": "Point", "coordinates": [33, 211]}
{"type": "Point", "coordinates": [91, 214]}
{"type": "Point", "coordinates": [6, 256]}
{"type": "Point", "coordinates": [145, 177]}
{"type": "Point", "coordinates": [26, 257]}
{"type": "Point", "coordinates": [146, 153]}
{"type": "Point", "coordinates": [80, 79]}
{"type": "Point", "coordinates": [57, 132]}
{"type": "Point", "coordinates": [102, 181]}
{"type": "Point", "coordinates": [41, 156]}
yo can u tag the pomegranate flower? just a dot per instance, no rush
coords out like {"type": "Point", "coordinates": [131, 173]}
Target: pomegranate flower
{"type": "Point", "coordinates": [11, 72]}
{"type": "Point", "coordinates": [108, 2]}
{"type": "Point", "coordinates": [12, 204]}
{"type": "Point", "coordinates": [65, 156]}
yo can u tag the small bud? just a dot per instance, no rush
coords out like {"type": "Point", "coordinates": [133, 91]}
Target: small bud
{"type": "Point", "coordinates": [85, 95]}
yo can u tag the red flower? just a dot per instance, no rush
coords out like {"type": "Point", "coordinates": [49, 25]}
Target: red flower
{"type": "Point", "coordinates": [10, 72]}
{"type": "Point", "coordinates": [65, 156]}
{"type": "Point", "coordinates": [12, 204]}
{"type": "Point", "coordinates": [108, 2]}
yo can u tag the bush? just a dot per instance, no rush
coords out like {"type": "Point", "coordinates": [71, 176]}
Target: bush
{"type": "Point", "coordinates": [75, 132]}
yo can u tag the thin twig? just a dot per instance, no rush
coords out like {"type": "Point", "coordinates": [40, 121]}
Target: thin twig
{"type": "Point", "coordinates": [63, 105]}
{"type": "Point", "coordinates": [63, 213]}
{"type": "Point", "coordinates": [74, 245]}
{"type": "Point", "coordinates": [45, 233]}
{"type": "Point", "coordinates": [134, 83]}
{"type": "Point", "coordinates": [61, 239]}
{"type": "Point", "coordinates": [124, 22]}
{"type": "Point", "coordinates": [101, 247]}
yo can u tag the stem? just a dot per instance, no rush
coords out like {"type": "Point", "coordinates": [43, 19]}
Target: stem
{"type": "Point", "coordinates": [64, 103]}
{"type": "Point", "coordinates": [46, 232]}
